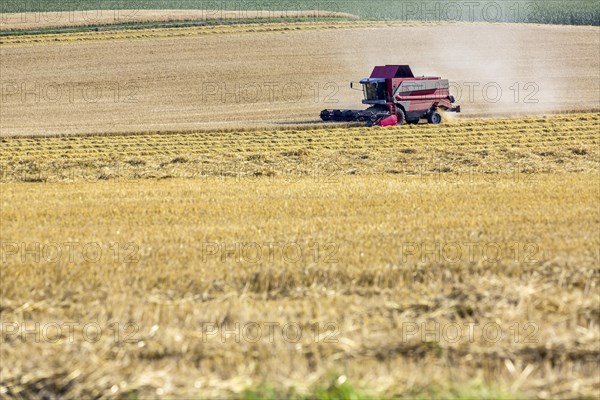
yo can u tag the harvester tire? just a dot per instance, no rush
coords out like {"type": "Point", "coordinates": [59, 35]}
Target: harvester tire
{"type": "Point", "coordinates": [401, 117]}
{"type": "Point", "coordinates": [434, 118]}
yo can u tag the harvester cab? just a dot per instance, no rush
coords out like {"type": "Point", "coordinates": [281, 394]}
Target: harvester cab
{"type": "Point", "coordinates": [396, 96]}
{"type": "Point", "coordinates": [374, 91]}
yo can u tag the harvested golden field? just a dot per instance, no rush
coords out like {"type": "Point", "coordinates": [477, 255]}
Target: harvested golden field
{"type": "Point", "coordinates": [254, 75]}
{"type": "Point", "coordinates": [176, 222]}
{"type": "Point", "coordinates": [450, 261]}
{"type": "Point", "coordinates": [460, 148]}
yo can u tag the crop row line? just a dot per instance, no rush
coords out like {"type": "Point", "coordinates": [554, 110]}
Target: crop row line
{"type": "Point", "coordinates": [532, 134]}
{"type": "Point", "coordinates": [589, 139]}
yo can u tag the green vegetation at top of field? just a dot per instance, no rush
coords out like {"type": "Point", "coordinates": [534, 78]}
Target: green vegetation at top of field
{"type": "Point", "coordinates": [158, 25]}
{"type": "Point", "coordinates": [576, 12]}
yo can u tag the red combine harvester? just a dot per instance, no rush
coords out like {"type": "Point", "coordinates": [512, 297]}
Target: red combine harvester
{"type": "Point", "coordinates": [396, 96]}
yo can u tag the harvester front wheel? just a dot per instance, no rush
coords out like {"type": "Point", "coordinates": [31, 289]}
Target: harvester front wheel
{"type": "Point", "coordinates": [434, 118]}
{"type": "Point", "coordinates": [401, 116]}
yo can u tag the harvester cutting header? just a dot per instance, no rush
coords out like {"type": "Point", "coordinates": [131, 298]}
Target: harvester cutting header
{"type": "Point", "coordinates": [396, 96]}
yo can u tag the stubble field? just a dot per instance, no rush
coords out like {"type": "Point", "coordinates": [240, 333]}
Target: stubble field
{"type": "Point", "coordinates": [336, 244]}
{"type": "Point", "coordinates": [176, 246]}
